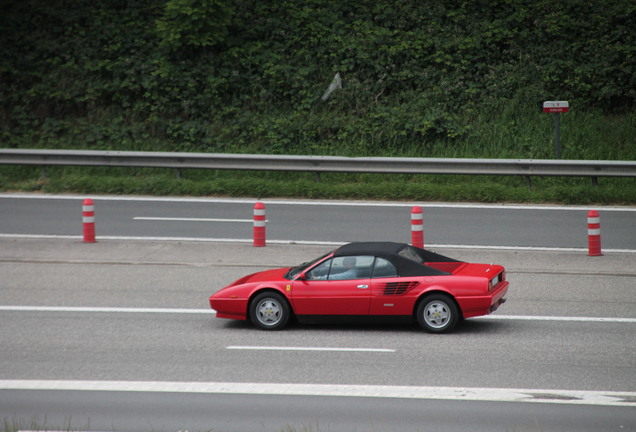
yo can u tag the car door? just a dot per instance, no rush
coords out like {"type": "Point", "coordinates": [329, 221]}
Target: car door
{"type": "Point", "coordinates": [337, 286]}
{"type": "Point", "coordinates": [389, 291]}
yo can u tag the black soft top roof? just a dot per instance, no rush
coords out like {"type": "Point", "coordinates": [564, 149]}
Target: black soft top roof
{"type": "Point", "coordinates": [409, 260]}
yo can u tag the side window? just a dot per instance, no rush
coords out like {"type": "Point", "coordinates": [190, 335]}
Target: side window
{"type": "Point", "coordinates": [383, 268]}
{"type": "Point", "coordinates": [351, 267]}
{"type": "Point", "coordinates": [320, 272]}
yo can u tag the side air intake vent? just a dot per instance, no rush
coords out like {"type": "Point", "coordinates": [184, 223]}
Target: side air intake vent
{"type": "Point", "coordinates": [399, 288]}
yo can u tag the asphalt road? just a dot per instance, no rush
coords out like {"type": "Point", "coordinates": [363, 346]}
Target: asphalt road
{"type": "Point", "coordinates": [117, 411]}
{"type": "Point", "coordinates": [315, 221]}
{"type": "Point", "coordinates": [153, 326]}
{"type": "Point", "coordinates": [117, 335]}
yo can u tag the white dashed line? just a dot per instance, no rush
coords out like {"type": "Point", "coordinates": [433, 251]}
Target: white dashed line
{"type": "Point", "coordinates": [175, 219]}
{"type": "Point", "coordinates": [325, 349]}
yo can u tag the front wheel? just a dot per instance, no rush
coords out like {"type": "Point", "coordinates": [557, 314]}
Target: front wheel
{"type": "Point", "coordinates": [269, 311]}
{"type": "Point", "coordinates": [437, 313]}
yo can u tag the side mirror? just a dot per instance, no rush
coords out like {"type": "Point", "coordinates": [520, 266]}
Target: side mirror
{"type": "Point", "coordinates": [301, 277]}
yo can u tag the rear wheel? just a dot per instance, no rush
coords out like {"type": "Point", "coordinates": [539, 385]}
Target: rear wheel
{"type": "Point", "coordinates": [437, 313]}
{"type": "Point", "coordinates": [269, 311]}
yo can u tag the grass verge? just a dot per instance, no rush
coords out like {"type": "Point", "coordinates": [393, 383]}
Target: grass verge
{"type": "Point", "coordinates": [200, 183]}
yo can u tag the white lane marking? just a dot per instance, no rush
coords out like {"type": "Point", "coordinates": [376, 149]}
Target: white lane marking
{"type": "Point", "coordinates": [327, 349]}
{"type": "Point", "coordinates": [525, 248]}
{"type": "Point", "coordinates": [568, 397]}
{"type": "Point", "coordinates": [175, 219]}
{"type": "Point", "coordinates": [17, 308]}
{"type": "Point", "coordinates": [302, 242]}
{"type": "Point", "coordinates": [322, 202]}
{"type": "Point", "coordinates": [105, 310]}
{"type": "Point", "coordinates": [557, 318]}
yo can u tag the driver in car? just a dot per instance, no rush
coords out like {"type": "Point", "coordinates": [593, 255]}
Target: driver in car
{"type": "Point", "coordinates": [349, 270]}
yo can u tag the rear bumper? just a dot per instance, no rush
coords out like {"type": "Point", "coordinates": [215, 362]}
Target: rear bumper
{"type": "Point", "coordinates": [495, 306]}
{"type": "Point", "coordinates": [483, 305]}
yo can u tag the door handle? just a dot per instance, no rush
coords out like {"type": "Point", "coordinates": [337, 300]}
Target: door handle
{"type": "Point", "coordinates": [363, 286]}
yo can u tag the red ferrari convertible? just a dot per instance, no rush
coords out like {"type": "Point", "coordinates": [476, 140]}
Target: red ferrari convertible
{"type": "Point", "coordinates": [367, 279]}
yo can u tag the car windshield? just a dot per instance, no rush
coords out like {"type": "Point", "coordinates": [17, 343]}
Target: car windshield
{"type": "Point", "coordinates": [295, 271]}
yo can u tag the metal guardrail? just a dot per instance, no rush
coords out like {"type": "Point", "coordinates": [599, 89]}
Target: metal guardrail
{"type": "Point", "coordinates": [319, 164]}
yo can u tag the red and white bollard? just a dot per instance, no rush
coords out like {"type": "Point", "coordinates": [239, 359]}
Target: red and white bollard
{"type": "Point", "coordinates": [593, 233]}
{"type": "Point", "coordinates": [259, 224]}
{"type": "Point", "coordinates": [88, 218]}
{"type": "Point", "coordinates": [417, 227]}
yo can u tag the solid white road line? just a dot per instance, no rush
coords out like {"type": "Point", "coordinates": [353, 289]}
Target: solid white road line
{"type": "Point", "coordinates": [334, 349]}
{"type": "Point", "coordinates": [71, 309]}
{"type": "Point", "coordinates": [351, 203]}
{"type": "Point", "coordinates": [105, 309]}
{"type": "Point", "coordinates": [569, 397]}
{"type": "Point", "coordinates": [556, 318]}
{"type": "Point", "coordinates": [303, 242]}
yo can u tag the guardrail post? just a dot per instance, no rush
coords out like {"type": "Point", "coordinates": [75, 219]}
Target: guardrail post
{"type": "Point", "coordinates": [417, 227]}
{"type": "Point", "coordinates": [259, 224]}
{"type": "Point", "coordinates": [88, 218]}
{"type": "Point", "coordinates": [594, 233]}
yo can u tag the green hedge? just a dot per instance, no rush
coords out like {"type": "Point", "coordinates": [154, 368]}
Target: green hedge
{"type": "Point", "coordinates": [446, 78]}
{"type": "Point", "coordinates": [436, 78]}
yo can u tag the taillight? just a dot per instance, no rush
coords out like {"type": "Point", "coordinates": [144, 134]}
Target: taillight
{"type": "Point", "coordinates": [494, 281]}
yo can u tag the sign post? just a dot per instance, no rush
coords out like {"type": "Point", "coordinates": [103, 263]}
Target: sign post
{"type": "Point", "coordinates": [556, 107]}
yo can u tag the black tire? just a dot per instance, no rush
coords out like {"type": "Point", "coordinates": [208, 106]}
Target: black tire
{"type": "Point", "coordinates": [437, 313]}
{"type": "Point", "coordinates": [269, 311]}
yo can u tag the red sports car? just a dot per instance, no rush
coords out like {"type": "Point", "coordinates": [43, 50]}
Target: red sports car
{"type": "Point", "coordinates": [367, 279]}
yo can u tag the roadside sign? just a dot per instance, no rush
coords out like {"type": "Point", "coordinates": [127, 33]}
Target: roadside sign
{"type": "Point", "coordinates": [556, 106]}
